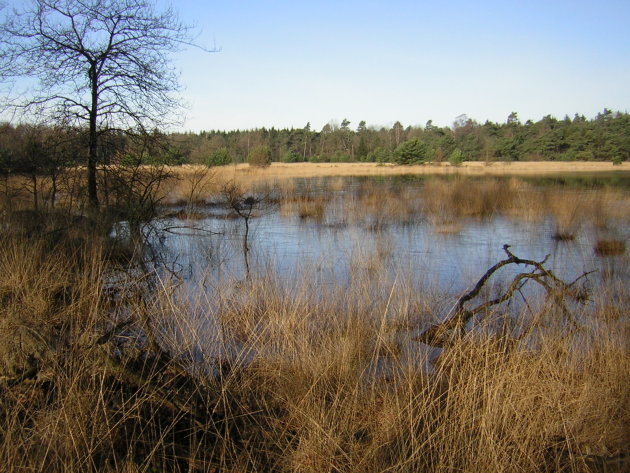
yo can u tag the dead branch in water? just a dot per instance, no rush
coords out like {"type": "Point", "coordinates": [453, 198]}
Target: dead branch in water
{"type": "Point", "coordinates": [453, 327]}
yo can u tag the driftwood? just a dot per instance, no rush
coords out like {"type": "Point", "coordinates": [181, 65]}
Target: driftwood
{"type": "Point", "coordinates": [453, 327]}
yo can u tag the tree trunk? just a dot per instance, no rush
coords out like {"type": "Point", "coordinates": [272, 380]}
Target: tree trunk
{"type": "Point", "coordinates": [35, 193]}
{"type": "Point", "coordinates": [53, 191]}
{"type": "Point", "coordinates": [93, 142]}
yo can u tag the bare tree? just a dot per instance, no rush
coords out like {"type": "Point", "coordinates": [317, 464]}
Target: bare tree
{"type": "Point", "coordinates": [98, 64]}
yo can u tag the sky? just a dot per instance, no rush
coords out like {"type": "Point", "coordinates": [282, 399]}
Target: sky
{"type": "Point", "coordinates": [286, 63]}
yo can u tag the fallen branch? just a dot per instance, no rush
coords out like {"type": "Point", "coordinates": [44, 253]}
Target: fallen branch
{"type": "Point", "coordinates": [453, 327]}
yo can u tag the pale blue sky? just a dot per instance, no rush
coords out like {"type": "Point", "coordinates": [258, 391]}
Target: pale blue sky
{"type": "Point", "coordinates": [284, 63]}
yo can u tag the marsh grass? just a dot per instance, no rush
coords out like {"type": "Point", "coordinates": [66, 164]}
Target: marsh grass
{"type": "Point", "coordinates": [338, 391]}
{"type": "Point", "coordinates": [448, 203]}
{"type": "Point", "coordinates": [312, 208]}
{"type": "Point", "coordinates": [304, 382]}
{"type": "Point", "coordinates": [610, 247]}
{"type": "Point", "coordinates": [264, 374]}
{"type": "Point", "coordinates": [466, 198]}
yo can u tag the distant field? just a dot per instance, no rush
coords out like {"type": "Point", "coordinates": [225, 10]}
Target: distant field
{"type": "Point", "coordinates": [286, 170]}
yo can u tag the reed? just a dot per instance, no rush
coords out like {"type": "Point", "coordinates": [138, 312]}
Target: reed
{"type": "Point", "coordinates": [312, 208]}
{"type": "Point", "coordinates": [108, 367]}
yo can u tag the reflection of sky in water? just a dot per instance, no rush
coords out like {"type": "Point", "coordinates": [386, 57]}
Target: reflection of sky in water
{"type": "Point", "coordinates": [338, 249]}
{"type": "Point", "coordinates": [333, 255]}
{"type": "Point", "coordinates": [209, 259]}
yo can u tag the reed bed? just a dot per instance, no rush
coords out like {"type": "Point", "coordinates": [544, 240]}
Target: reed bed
{"type": "Point", "coordinates": [106, 367]}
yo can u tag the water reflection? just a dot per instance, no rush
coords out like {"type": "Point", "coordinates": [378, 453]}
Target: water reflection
{"type": "Point", "coordinates": [342, 247]}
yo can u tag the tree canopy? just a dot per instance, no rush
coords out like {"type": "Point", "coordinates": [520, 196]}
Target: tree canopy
{"type": "Point", "coordinates": [606, 137]}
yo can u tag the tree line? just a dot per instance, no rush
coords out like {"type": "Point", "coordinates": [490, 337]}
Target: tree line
{"type": "Point", "coordinates": [31, 150]}
{"type": "Point", "coordinates": [603, 138]}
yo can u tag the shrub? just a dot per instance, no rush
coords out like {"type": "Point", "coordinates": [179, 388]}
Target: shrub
{"type": "Point", "coordinates": [259, 156]}
{"type": "Point", "coordinates": [220, 157]}
{"type": "Point", "coordinates": [290, 157]}
{"type": "Point", "coordinates": [456, 157]}
{"type": "Point", "coordinates": [380, 155]}
{"type": "Point", "coordinates": [319, 158]}
{"type": "Point", "coordinates": [340, 157]}
{"type": "Point", "coordinates": [411, 151]}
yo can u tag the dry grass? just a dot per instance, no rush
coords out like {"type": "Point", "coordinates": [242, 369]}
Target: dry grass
{"type": "Point", "coordinates": [263, 375]}
{"type": "Point", "coordinates": [331, 385]}
{"type": "Point", "coordinates": [307, 207]}
{"type": "Point", "coordinates": [610, 247]}
{"type": "Point", "coordinates": [446, 202]}
{"type": "Point", "coordinates": [195, 183]}
{"type": "Point", "coordinates": [279, 173]}
{"type": "Point", "coordinates": [290, 380]}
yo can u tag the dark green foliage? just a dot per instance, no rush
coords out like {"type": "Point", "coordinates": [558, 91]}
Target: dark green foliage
{"type": "Point", "coordinates": [128, 160]}
{"type": "Point", "coordinates": [380, 155]}
{"type": "Point", "coordinates": [506, 149]}
{"type": "Point", "coordinates": [362, 150]}
{"type": "Point", "coordinates": [290, 156]}
{"type": "Point", "coordinates": [412, 151]}
{"type": "Point", "coordinates": [319, 158]}
{"type": "Point", "coordinates": [220, 157]}
{"type": "Point", "coordinates": [340, 157]}
{"type": "Point", "coordinates": [170, 156]}
{"type": "Point", "coordinates": [547, 139]}
{"type": "Point", "coordinates": [165, 157]}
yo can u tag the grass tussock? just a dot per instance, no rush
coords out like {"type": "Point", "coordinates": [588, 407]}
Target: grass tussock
{"type": "Point", "coordinates": [312, 208]}
{"type": "Point", "coordinates": [610, 247]}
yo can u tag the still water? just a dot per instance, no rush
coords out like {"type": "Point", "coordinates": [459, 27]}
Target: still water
{"type": "Point", "coordinates": [336, 250]}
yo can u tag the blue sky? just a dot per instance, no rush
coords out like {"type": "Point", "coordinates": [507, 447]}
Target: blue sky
{"type": "Point", "coordinates": [285, 63]}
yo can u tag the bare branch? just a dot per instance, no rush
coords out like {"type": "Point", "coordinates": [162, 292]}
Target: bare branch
{"type": "Point", "coordinates": [557, 290]}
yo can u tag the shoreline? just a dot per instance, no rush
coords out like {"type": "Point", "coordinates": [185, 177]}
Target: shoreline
{"type": "Point", "coordinates": [280, 171]}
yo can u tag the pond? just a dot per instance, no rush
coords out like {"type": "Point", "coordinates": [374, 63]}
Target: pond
{"type": "Point", "coordinates": [359, 232]}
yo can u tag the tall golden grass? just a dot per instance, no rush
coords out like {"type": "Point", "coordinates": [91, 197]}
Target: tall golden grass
{"type": "Point", "coordinates": [105, 366]}
{"type": "Point", "coordinates": [264, 375]}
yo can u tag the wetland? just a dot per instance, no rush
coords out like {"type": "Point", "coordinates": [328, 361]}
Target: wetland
{"type": "Point", "coordinates": [354, 323]}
